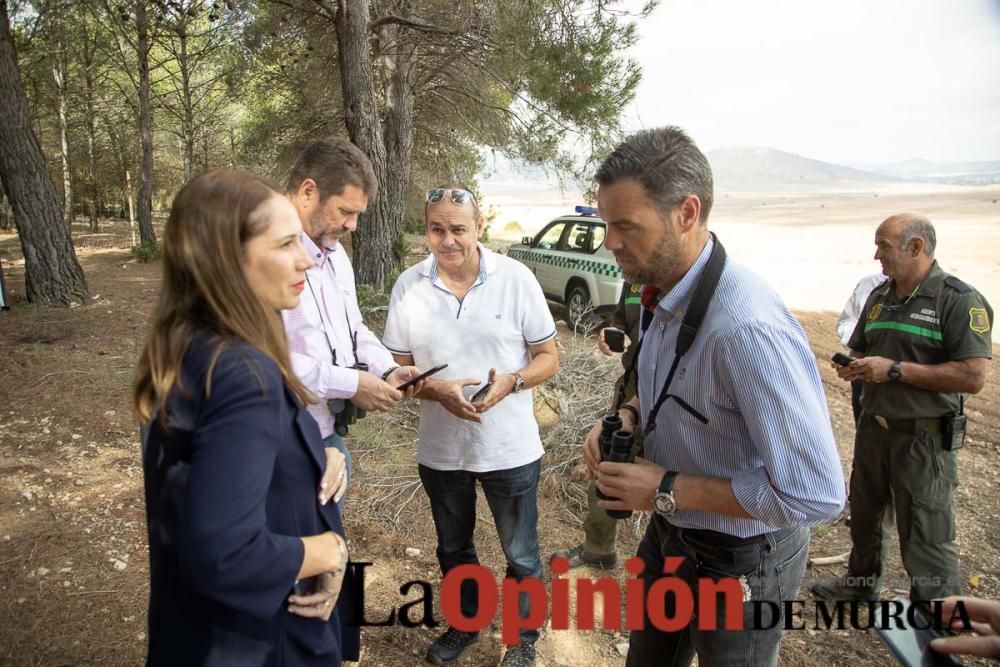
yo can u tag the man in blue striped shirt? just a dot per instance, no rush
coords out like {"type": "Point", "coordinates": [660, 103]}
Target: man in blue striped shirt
{"type": "Point", "coordinates": [741, 458]}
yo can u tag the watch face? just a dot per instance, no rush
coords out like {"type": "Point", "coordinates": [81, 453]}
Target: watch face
{"type": "Point", "coordinates": [664, 503]}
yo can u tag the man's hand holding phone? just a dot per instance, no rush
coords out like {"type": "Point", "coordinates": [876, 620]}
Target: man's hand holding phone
{"type": "Point", "coordinates": [611, 340]}
{"type": "Point", "coordinates": [497, 388]}
{"type": "Point", "coordinates": [451, 395]}
{"type": "Point", "coordinates": [399, 378]}
{"type": "Point", "coordinates": [842, 363]}
{"type": "Point", "coordinates": [481, 394]}
{"type": "Point", "coordinates": [412, 378]}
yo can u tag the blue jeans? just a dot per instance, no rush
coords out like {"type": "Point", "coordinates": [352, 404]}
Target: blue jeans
{"type": "Point", "coordinates": [771, 564]}
{"type": "Point", "coordinates": [334, 440]}
{"type": "Point", "coordinates": [512, 496]}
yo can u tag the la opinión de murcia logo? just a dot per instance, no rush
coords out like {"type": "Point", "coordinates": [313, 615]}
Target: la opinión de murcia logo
{"type": "Point", "coordinates": [702, 607]}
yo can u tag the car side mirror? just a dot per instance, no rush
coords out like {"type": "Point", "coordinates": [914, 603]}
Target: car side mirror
{"type": "Point", "coordinates": [526, 240]}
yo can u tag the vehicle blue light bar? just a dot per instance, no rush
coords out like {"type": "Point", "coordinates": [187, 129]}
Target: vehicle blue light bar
{"type": "Point", "coordinates": [586, 210]}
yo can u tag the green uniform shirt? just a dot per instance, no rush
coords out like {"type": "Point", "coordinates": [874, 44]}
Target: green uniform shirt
{"type": "Point", "coordinates": [626, 317]}
{"type": "Point", "coordinates": [945, 320]}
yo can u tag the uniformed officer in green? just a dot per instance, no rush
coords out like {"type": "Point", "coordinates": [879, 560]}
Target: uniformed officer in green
{"type": "Point", "coordinates": [600, 530]}
{"type": "Point", "coordinates": [923, 342]}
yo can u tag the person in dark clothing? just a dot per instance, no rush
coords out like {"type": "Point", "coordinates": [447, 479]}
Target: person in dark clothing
{"type": "Point", "coordinates": [246, 567]}
{"type": "Point", "coordinates": [600, 530]}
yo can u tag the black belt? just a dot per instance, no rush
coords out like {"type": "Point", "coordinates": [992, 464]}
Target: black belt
{"type": "Point", "coordinates": [724, 540]}
{"type": "Point", "coordinates": [910, 426]}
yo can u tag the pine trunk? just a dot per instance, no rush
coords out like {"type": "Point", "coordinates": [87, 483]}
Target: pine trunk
{"type": "Point", "coordinates": [92, 171]}
{"type": "Point", "coordinates": [59, 76]}
{"type": "Point", "coordinates": [89, 66]}
{"type": "Point", "coordinates": [147, 236]}
{"type": "Point", "coordinates": [129, 206]}
{"type": "Point", "coordinates": [187, 123]}
{"type": "Point", "coordinates": [373, 242]}
{"type": "Point", "coordinates": [398, 140]}
{"type": "Point", "coordinates": [53, 276]}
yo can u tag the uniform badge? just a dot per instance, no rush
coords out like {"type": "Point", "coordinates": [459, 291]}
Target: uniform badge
{"type": "Point", "coordinates": [979, 321]}
{"type": "Point", "coordinates": [875, 311]}
{"type": "Point", "coordinates": [636, 288]}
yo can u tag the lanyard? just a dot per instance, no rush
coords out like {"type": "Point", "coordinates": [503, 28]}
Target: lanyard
{"type": "Point", "coordinates": [321, 308]}
{"type": "Point", "coordinates": [693, 318]}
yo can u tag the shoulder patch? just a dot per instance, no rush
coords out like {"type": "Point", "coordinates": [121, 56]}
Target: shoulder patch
{"type": "Point", "coordinates": [979, 320]}
{"type": "Point", "coordinates": [957, 285]}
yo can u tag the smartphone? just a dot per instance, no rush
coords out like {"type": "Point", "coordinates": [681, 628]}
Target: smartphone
{"type": "Point", "coordinates": [426, 374]}
{"type": "Point", "coordinates": [615, 339]}
{"type": "Point", "coordinates": [910, 645]}
{"type": "Point", "coordinates": [842, 359]}
{"type": "Point", "coordinates": [481, 394]}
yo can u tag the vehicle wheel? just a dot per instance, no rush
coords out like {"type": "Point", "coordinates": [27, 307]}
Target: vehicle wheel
{"type": "Point", "coordinates": [580, 314]}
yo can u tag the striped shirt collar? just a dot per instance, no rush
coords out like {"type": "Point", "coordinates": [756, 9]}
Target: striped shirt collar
{"type": "Point", "coordinates": [675, 302]}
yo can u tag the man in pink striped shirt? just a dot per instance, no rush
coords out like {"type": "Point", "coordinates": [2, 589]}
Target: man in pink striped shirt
{"type": "Point", "coordinates": [330, 184]}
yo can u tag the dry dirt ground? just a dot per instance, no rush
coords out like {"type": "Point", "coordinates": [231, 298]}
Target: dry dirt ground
{"type": "Point", "coordinates": [73, 560]}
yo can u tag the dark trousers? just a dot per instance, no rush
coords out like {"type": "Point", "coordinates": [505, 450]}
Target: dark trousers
{"type": "Point", "coordinates": [772, 565]}
{"type": "Point", "coordinates": [914, 475]}
{"type": "Point", "coordinates": [512, 496]}
{"type": "Point", "coordinates": [856, 398]}
{"type": "Point", "coordinates": [600, 531]}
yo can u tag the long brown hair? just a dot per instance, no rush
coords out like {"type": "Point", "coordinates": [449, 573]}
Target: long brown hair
{"type": "Point", "coordinates": [204, 287]}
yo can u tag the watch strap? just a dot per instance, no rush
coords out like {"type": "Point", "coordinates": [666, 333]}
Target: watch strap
{"type": "Point", "coordinates": [667, 483]}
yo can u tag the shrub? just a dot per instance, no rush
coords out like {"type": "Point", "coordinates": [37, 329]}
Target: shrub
{"type": "Point", "coordinates": [146, 252]}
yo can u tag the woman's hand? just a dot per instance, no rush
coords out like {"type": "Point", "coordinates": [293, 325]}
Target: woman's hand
{"type": "Point", "coordinates": [319, 603]}
{"type": "Point", "coordinates": [334, 482]}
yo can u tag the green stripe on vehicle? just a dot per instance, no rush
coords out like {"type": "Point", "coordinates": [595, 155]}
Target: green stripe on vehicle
{"type": "Point", "coordinates": [583, 265]}
{"type": "Point", "coordinates": [632, 300]}
{"type": "Point", "coordinates": [908, 328]}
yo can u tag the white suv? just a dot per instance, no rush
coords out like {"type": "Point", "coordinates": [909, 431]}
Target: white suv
{"type": "Point", "coordinates": [573, 267]}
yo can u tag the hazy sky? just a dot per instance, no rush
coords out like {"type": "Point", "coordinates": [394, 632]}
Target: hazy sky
{"type": "Point", "coordinates": [847, 81]}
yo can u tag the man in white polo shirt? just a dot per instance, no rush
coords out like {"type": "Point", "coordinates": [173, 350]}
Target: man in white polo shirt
{"type": "Point", "coordinates": [484, 315]}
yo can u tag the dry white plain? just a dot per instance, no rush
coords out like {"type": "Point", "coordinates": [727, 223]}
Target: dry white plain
{"type": "Point", "coordinates": [812, 246]}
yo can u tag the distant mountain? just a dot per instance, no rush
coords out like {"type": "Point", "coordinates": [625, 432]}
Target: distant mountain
{"type": "Point", "coordinates": [740, 169]}
{"type": "Point", "coordinates": [961, 173]}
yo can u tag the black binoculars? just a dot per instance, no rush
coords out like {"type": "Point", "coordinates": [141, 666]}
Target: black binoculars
{"type": "Point", "coordinates": [618, 446]}
{"type": "Point", "coordinates": [344, 411]}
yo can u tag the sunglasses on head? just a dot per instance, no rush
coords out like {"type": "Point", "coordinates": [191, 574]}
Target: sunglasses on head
{"type": "Point", "coordinates": [458, 196]}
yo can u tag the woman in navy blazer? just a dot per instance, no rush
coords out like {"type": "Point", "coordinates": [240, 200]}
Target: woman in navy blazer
{"type": "Point", "coordinates": [232, 461]}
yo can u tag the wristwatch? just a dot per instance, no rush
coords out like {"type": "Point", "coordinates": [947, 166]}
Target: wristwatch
{"type": "Point", "coordinates": [518, 383]}
{"type": "Point", "coordinates": [663, 502]}
{"type": "Point", "coordinates": [896, 371]}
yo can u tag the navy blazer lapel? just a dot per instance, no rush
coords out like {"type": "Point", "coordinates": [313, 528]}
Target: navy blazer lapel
{"type": "Point", "coordinates": [310, 437]}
